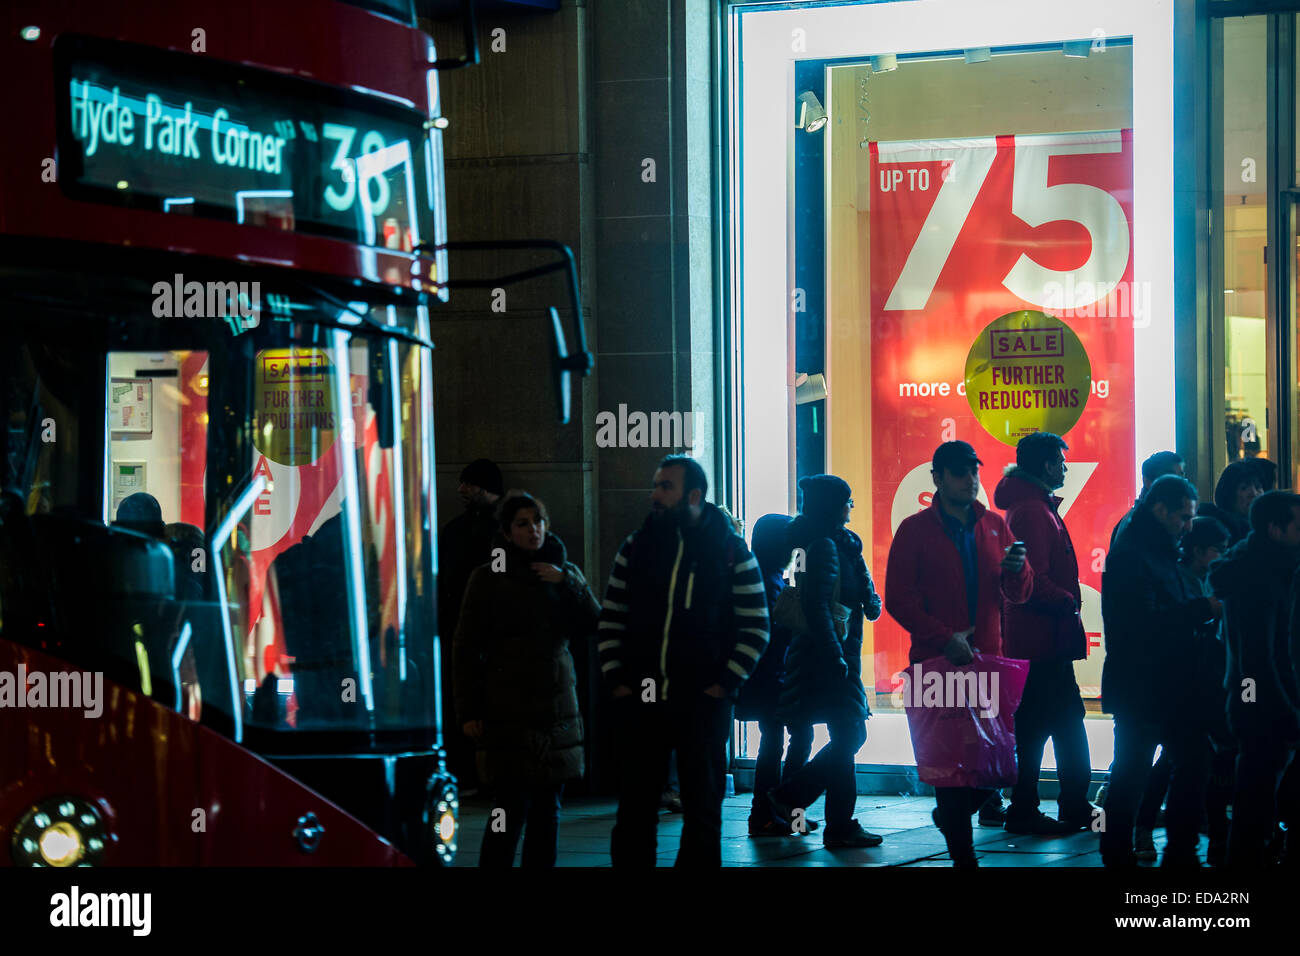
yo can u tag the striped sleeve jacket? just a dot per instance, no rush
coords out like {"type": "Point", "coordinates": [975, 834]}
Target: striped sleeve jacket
{"type": "Point", "coordinates": [618, 634]}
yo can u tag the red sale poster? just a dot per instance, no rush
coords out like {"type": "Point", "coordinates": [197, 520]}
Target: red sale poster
{"type": "Point", "coordinates": [964, 231]}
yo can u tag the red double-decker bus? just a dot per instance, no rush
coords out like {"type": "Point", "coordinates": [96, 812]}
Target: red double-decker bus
{"type": "Point", "coordinates": [224, 244]}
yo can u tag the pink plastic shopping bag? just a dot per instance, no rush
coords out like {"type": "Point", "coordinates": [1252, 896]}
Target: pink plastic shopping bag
{"type": "Point", "coordinates": [961, 719]}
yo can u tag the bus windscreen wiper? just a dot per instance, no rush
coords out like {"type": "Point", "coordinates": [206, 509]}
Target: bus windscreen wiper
{"type": "Point", "coordinates": [363, 319]}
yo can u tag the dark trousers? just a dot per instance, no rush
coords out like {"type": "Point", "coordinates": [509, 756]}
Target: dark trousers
{"type": "Point", "coordinates": [1188, 749]}
{"type": "Point", "coordinates": [830, 772]}
{"type": "Point", "coordinates": [534, 812]}
{"type": "Point", "coordinates": [1261, 763]}
{"type": "Point", "coordinates": [698, 727]}
{"type": "Point", "coordinates": [768, 771]}
{"type": "Point", "coordinates": [1051, 707]}
{"type": "Point", "coordinates": [953, 809]}
{"type": "Point", "coordinates": [1218, 794]}
{"type": "Point", "coordinates": [1154, 797]}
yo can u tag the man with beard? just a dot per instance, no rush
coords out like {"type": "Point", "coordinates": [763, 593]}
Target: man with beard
{"type": "Point", "coordinates": [684, 623]}
{"type": "Point", "coordinates": [464, 543]}
{"type": "Point", "coordinates": [1256, 583]}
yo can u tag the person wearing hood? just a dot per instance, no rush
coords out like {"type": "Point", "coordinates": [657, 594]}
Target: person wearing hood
{"type": "Point", "coordinates": [1257, 582]}
{"type": "Point", "coordinates": [682, 627]}
{"type": "Point", "coordinates": [464, 543]}
{"type": "Point", "coordinates": [1156, 619]}
{"type": "Point", "coordinates": [823, 681]}
{"type": "Point", "coordinates": [760, 694]}
{"type": "Point", "coordinates": [515, 683]}
{"type": "Point", "coordinates": [1047, 632]}
{"type": "Point", "coordinates": [953, 570]}
{"type": "Point", "coordinates": [1237, 488]}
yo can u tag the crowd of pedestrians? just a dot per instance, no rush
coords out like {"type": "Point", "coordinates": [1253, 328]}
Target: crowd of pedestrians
{"type": "Point", "coordinates": [1201, 610]}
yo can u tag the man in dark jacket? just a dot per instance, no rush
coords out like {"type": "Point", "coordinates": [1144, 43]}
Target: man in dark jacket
{"type": "Point", "coordinates": [684, 623]}
{"type": "Point", "coordinates": [464, 543]}
{"type": "Point", "coordinates": [1154, 614]}
{"type": "Point", "coordinates": [823, 681]}
{"type": "Point", "coordinates": [1155, 466]}
{"type": "Point", "coordinates": [952, 570]}
{"type": "Point", "coordinates": [1047, 632]}
{"type": "Point", "coordinates": [1256, 581]}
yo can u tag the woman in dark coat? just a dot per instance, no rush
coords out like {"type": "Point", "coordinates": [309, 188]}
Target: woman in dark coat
{"type": "Point", "coordinates": [760, 694]}
{"type": "Point", "coordinates": [515, 682]}
{"type": "Point", "coordinates": [823, 682]}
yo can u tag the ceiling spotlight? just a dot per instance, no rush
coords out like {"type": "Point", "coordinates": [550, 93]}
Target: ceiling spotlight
{"type": "Point", "coordinates": [979, 54]}
{"type": "Point", "coordinates": [809, 113]}
{"type": "Point", "coordinates": [1079, 48]}
{"type": "Point", "coordinates": [884, 63]}
{"type": "Point", "coordinates": [30, 34]}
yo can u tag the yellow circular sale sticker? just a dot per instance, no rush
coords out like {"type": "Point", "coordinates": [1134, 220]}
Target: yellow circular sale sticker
{"type": "Point", "coordinates": [1027, 372]}
{"type": "Point", "coordinates": [294, 405]}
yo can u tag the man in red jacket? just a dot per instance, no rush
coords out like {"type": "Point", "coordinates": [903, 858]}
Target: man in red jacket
{"type": "Point", "coordinates": [951, 569]}
{"type": "Point", "coordinates": [1047, 632]}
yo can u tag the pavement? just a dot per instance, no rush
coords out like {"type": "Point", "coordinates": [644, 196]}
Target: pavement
{"type": "Point", "coordinates": [904, 822]}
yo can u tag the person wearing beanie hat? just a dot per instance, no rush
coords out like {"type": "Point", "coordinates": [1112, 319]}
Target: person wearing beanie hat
{"type": "Point", "coordinates": [464, 543]}
{"type": "Point", "coordinates": [823, 682]}
{"type": "Point", "coordinates": [823, 498]}
{"type": "Point", "coordinates": [481, 477]}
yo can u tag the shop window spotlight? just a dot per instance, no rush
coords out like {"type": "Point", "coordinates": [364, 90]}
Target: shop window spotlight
{"type": "Point", "coordinates": [1077, 48]}
{"type": "Point", "coordinates": [809, 112]}
{"type": "Point", "coordinates": [884, 63]}
{"type": "Point", "coordinates": [979, 54]}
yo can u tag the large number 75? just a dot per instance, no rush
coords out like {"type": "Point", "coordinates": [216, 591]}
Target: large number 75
{"type": "Point", "coordinates": [1032, 201]}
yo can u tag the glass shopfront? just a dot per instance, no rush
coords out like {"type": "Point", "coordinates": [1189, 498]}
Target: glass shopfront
{"type": "Point", "coordinates": [902, 174]}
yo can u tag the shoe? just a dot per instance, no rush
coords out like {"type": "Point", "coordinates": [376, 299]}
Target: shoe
{"type": "Point", "coordinates": [966, 861]}
{"type": "Point", "coordinates": [992, 815]}
{"type": "Point", "coordinates": [1080, 819]}
{"type": "Point", "coordinates": [1217, 853]}
{"type": "Point", "coordinates": [851, 836]}
{"type": "Point", "coordinates": [771, 827]}
{"type": "Point", "coordinates": [809, 826]}
{"type": "Point", "coordinates": [1040, 824]}
{"type": "Point", "coordinates": [672, 801]}
{"type": "Point", "coordinates": [1144, 847]}
{"type": "Point", "coordinates": [1181, 860]}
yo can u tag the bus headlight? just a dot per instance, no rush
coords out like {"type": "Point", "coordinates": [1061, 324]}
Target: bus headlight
{"type": "Point", "coordinates": [60, 831]}
{"type": "Point", "coordinates": [445, 805]}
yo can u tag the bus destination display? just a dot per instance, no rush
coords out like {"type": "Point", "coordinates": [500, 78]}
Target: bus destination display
{"type": "Point", "coordinates": [259, 149]}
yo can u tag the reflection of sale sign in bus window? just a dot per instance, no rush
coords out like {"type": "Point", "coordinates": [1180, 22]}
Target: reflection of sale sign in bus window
{"type": "Point", "coordinates": [294, 405]}
{"type": "Point", "coordinates": [1002, 303]}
